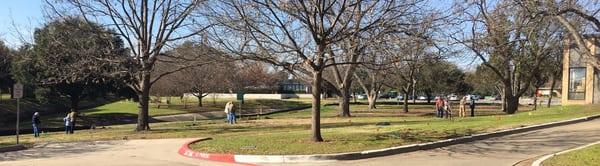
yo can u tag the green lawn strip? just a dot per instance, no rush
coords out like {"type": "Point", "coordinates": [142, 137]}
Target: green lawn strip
{"type": "Point", "coordinates": [362, 134]}
{"type": "Point", "coordinates": [587, 156]}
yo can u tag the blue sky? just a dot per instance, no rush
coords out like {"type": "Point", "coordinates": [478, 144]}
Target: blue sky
{"type": "Point", "coordinates": [18, 19]}
{"type": "Point", "coordinates": [26, 15]}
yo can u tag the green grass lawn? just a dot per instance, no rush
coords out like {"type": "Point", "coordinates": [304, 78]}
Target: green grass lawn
{"type": "Point", "coordinates": [587, 156]}
{"type": "Point", "coordinates": [356, 134]}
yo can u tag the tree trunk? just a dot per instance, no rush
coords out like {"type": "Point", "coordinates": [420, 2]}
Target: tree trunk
{"type": "Point", "coordinates": [535, 98]}
{"type": "Point", "coordinates": [551, 91]}
{"type": "Point", "coordinates": [75, 102]}
{"type": "Point", "coordinates": [316, 106]}
{"type": "Point", "coordinates": [183, 101]}
{"type": "Point", "coordinates": [512, 104]}
{"type": "Point", "coordinates": [345, 102]}
{"type": "Point", "coordinates": [414, 92]}
{"type": "Point", "coordinates": [428, 98]}
{"type": "Point", "coordinates": [405, 101]}
{"type": "Point", "coordinates": [200, 100]}
{"type": "Point", "coordinates": [75, 92]}
{"type": "Point", "coordinates": [354, 94]}
{"type": "Point", "coordinates": [158, 101]}
{"type": "Point", "coordinates": [144, 96]}
{"type": "Point", "coordinates": [372, 98]}
{"type": "Point", "coordinates": [503, 100]}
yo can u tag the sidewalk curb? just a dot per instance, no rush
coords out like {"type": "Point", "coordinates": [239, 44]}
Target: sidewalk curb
{"type": "Point", "coordinates": [12, 148]}
{"type": "Point", "coordinates": [185, 150]}
{"type": "Point", "coordinates": [232, 158]}
{"type": "Point", "coordinates": [539, 161]}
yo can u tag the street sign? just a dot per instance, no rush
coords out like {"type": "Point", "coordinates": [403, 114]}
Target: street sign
{"type": "Point", "coordinates": [18, 94]}
{"type": "Point", "coordinates": [18, 91]}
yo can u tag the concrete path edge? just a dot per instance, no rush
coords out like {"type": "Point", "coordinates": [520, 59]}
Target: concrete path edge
{"type": "Point", "coordinates": [12, 148]}
{"type": "Point", "coordinates": [185, 150]}
{"type": "Point", "coordinates": [539, 161]}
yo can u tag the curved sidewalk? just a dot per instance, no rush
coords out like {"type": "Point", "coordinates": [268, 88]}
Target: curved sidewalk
{"type": "Point", "coordinates": [152, 152]}
{"type": "Point", "coordinates": [500, 151]}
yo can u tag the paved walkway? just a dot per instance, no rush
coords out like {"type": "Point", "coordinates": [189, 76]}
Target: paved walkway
{"type": "Point", "coordinates": [159, 152]}
{"type": "Point", "coordinates": [219, 114]}
{"type": "Point", "coordinates": [500, 151]}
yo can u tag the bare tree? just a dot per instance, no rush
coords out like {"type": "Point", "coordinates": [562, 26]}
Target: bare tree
{"type": "Point", "coordinates": [371, 80]}
{"type": "Point", "coordinates": [510, 42]}
{"type": "Point", "coordinates": [350, 50]}
{"type": "Point", "coordinates": [570, 13]}
{"type": "Point", "coordinates": [295, 34]}
{"type": "Point", "coordinates": [147, 28]}
{"type": "Point", "coordinates": [201, 80]}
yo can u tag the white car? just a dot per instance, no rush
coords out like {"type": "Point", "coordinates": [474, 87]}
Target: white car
{"type": "Point", "coordinates": [453, 97]}
{"type": "Point", "coordinates": [361, 97]}
{"type": "Point", "coordinates": [422, 98]}
{"type": "Point", "coordinates": [400, 97]}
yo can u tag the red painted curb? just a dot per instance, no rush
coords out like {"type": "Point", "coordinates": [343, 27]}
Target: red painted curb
{"type": "Point", "coordinates": [185, 150]}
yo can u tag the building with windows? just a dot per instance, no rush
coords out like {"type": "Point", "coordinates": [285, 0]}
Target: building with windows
{"type": "Point", "coordinates": [581, 81]}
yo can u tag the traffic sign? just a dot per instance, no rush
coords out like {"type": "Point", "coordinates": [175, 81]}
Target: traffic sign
{"type": "Point", "coordinates": [18, 91]}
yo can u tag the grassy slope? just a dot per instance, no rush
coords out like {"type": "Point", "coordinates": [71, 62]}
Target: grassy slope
{"type": "Point", "coordinates": [122, 112]}
{"type": "Point", "coordinates": [29, 106]}
{"type": "Point", "coordinates": [587, 156]}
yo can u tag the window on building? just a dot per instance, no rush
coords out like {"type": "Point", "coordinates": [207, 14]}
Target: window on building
{"type": "Point", "coordinates": [577, 83]}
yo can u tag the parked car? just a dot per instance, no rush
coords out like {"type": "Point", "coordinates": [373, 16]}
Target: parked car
{"type": "Point", "coordinates": [473, 97]}
{"type": "Point", "coordinates": [422, 98]}
{"type": "Point", "coordinates": [361, 96]}
{"type": "Point", "coordinates": [453, 97]}
{"type": "Point", "coordinates": [400, 97]}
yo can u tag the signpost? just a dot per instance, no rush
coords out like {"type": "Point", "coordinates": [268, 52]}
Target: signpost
{"type": "Point", "coordinates": [18, 94]}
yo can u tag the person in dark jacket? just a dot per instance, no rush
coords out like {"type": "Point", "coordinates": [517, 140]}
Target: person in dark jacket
{"type": "Point", "coordinates": [35, 120]}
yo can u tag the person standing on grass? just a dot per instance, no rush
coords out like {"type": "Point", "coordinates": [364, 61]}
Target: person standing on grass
{"type": "Point", "coordinates": [439, 107]}
{"type": "Point", "coordinates": [447, 108]}
{"type": "Point", "coordinates": [227, 111]}
{"type": "Point", "coordinates": [35, 120]}
{"type": "Point", "coordinates": [461, 107]}
{"type": "Point", "coordinates": [68, 123]}
{"type": "Point", "coordinates": [230, 112]}
{"type": "Point", "coordinates": [72, 117]}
